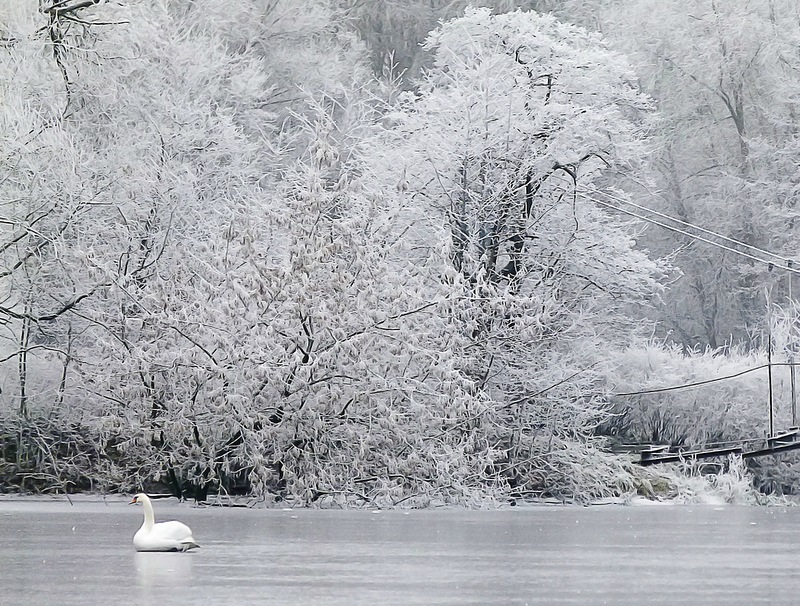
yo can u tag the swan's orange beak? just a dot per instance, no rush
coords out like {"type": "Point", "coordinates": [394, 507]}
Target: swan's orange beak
{"type": "Point", "coordinates": [133, 501]}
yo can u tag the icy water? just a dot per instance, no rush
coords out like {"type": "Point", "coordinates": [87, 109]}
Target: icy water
{"type": "Point", "coordinates": [55, 553]}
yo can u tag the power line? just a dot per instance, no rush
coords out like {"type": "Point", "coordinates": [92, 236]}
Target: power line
{"type": "Point", "coordinates": [692, 225]}
{"type": "Point", "coordinates": [788, 267]}
{"type": "Point", "coordinates": [699, 383]}
{"type": "Point", "coordinates": [689, 234]}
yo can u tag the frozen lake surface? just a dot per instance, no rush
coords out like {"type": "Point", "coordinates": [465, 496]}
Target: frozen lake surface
{"type": "Point", "coordinates": [55, 553]}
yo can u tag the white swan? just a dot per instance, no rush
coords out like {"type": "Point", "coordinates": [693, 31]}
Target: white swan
{"type": "Point", "coordinates": [164, 536]}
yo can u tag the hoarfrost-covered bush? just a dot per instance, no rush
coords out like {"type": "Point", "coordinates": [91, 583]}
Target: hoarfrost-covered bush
{"type": "Point", "coordinates": [732, 484]}
{"type": "Point", "coordinates": [726, 402]}
{"type": "Point", "coordinates": [141, 141]}
{"type": "Point", "coordinates": [711, 412]}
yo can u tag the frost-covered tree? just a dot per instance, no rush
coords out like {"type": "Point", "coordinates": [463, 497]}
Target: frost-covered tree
{"type": "Point", "coordinates": [356, 382]}
{"type": "Point", "coordinates": [722, 90]}
{"type": "Point", "coordinates": [518, 117]}
{"type": "Point", "coordinates": [137, 140]}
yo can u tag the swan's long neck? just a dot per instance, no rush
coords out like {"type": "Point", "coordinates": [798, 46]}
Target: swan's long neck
{"type": "Point", "coordinates": [149, 516]}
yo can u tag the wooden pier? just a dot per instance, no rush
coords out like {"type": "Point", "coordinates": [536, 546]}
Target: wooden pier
{"type": "Point", "coordinates": [776, 444]}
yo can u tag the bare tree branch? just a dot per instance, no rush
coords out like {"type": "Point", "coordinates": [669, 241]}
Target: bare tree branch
{"type": "Point", "coordinates": [59, 8]}
{"type": "Point", "coordinates": [68, 306]}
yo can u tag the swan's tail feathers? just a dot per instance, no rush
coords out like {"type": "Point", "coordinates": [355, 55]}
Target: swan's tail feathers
{"type": "Point", "coordinates": [189, 544]}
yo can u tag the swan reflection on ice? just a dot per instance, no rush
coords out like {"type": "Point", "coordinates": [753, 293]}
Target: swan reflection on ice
{"type": "Point", "coordinates": [159, 569]}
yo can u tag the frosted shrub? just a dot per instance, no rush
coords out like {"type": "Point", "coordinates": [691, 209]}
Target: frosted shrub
{"type": "Point", "coordinates": [146, 153]}
{"type": "Point", "coordinates": [731, 409]}
{"type": "Point", "coordinates": [730, 484]}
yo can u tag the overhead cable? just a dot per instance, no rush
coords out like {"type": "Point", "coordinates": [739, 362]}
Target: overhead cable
{"type": "Point", "coordinates": [700, 383]}
{"type": "Point", "coordinates": [691, 225]}
{"type": "Point", "coordinates": [672, 228]}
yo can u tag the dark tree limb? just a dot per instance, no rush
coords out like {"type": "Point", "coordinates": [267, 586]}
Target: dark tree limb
{"type": "Point", "coordinates": [68, 306]}
{"type": "Point", "coordinates": [69, 6]}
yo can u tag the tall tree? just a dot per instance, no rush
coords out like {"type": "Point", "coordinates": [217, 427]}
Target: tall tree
{"type": "Point", "coordinates": [519, 114]}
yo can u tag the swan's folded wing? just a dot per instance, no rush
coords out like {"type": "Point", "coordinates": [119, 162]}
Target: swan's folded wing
{"type": "Point", "coordinates": [175, 531]}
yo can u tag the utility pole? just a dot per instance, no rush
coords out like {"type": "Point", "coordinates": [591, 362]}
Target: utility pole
{"type": "Point", "coordinates": [791, 346]}
{"type": "Point", "coordinates": [769, 363]}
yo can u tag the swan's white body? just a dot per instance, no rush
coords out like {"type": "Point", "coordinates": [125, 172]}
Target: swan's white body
{"type": "Point", "coordinates": [164, 536]}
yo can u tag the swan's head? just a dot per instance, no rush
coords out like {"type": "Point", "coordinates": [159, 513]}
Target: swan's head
{"type": "Point", "coordinates": [138, 498]}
